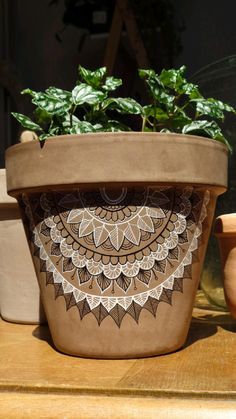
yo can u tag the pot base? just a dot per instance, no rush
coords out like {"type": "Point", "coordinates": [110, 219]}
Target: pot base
{"type": "Point", "coordinates": [152, 336]}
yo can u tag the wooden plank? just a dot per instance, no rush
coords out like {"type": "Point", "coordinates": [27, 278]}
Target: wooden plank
{"type": "Point", "coordinates": [34, 406]}
{"type": "Point", "coordinates": [133, 33]}
{"type": "Point", "coordinates": [113, 41]}
{"type": "Point", "coordinates": [205, 367]}
{"type": "Point", "coordinates": [123, 14]}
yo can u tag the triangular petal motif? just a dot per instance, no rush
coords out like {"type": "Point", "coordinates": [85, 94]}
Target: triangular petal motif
{"type": "Point", "coordinates": [123, 282]}
{"type": "Point", "coordinates": [103, 282]}
{"type": "Point", "coordinates": [100, 235]}
{"type": "Point", "coordinates": [133, 234]}
{"type": "Point", "coordinates": [86, 227]}
{"type": "Point", "coordinates": [116, 237]}
{"type": "Point", "coordinates": [144, 276]}
{"type": "Point", "coordinates": [158, 199]}
{"type": "Point", "coordinates": [185, 206]}
{"type": "Point", "coordinates": [146, 223]}
{"type": "Point", "coordinates": [75, 215]}
{"type": "Point", "coordinates": [156, 212]}
{"type": "Point", "coordinates": [100, 313]}
{"type": "Point", "coordinates": [117, 313]}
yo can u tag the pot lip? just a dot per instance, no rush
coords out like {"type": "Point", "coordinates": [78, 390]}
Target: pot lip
{"type": "Point", "coordinates": [129, 136]}
{"type": "Point", "coordinates": [115, 159]}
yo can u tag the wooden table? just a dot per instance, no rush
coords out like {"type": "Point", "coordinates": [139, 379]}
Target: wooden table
{"type": "Point", "coordinates": [198, 381]}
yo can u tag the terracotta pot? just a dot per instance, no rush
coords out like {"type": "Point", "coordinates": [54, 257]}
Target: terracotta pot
{"type": "Point", "coordinates": [119, 224]}
{"type": "Point", "coordinates": [225, 231]}
{"type": "Point", "coordinates": [19, 290]}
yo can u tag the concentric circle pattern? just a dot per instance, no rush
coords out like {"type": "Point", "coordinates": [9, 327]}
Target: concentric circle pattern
{"type": "Point", "coordinates": [113, 252]}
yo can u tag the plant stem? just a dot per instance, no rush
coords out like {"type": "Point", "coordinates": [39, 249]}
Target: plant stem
{"type": "Point", "coordinates": [143, 123]}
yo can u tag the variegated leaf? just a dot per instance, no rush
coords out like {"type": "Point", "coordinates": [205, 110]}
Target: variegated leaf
{"type": "Point", "coordinates": [123, 105]}
{"type": "Point", "coordinates": [86, 94]}
{"type": "Point", "coordinates": [51, 104]}
{"type": "Point", "coordinates": [26, 122]}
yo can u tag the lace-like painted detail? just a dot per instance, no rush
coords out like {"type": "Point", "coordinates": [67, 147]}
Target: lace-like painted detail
{"type": "Point", "coordinates": [116, 252]}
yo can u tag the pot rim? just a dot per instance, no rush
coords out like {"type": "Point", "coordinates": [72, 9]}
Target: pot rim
{"type": "Point", "coordinates": [116, 159]}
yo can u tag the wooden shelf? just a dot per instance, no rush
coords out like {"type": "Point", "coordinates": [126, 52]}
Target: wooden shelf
{"type": "Point", "coordinates": [198, 381]}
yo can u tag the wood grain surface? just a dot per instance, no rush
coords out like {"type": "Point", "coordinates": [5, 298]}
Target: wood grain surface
{"type": "Point", "coordinates": [199, 381]}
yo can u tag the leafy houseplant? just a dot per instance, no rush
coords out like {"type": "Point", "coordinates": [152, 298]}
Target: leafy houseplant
{"type": "Point", "coordinates": [176, 106]}
{"type": "Point", "coordinates": [118, 221]}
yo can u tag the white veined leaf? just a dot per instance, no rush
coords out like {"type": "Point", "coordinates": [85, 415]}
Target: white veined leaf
{"type": "Point", "coordinates": [26, 122]}
{"type": "Point", "coordinates": [111, 83]}
{"type": "Point", "coordinates": [212, 107]}
{"type": "Point", "coordinates": [82, 128]}
{"type": "Point", "coordinates": [206, 129]}
{"type": "Point", "coordinates": [86, 94]}
{"type": "Point", "coordinates": [84, 73]}
{"type": "Point", "coordinates": [200, 125]}
{"type": "Point", "coordinates": [93, 78]}
{"type": "Point", "coordinates": [144, 73]}
{"type": "Point", "coordinates": [123, 105]}
{"type": "Point", "coordinates": [51, 104]}
{"type": "Point", "coordinates": [69, 121]}
{"type": "Point", "coordinates": [114, 126]}
{"type": "Point", "coordinates": [58, 93]}
{"type": "Point", "coordinates": [99, 73]}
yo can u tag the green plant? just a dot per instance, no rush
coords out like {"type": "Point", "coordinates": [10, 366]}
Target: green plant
{"type": "Point", "coordinates": [178, 106]}
{"type": "Point", "coordinates": [175, 106]}
{"type": "Point", "coordinates": [87, 108]}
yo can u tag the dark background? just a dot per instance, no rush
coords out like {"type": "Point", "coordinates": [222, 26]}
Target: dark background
{"type": "Point", "coordinates": [42, 43]}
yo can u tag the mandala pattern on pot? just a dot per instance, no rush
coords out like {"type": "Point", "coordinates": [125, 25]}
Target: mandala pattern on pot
{"type": "Point", "coordinates": [115, 252]}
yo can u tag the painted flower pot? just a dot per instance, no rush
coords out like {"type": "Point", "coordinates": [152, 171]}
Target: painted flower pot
{"type": "Point", "coordinates": [19, 290]}
{"type": "Point", "coordinates": [118, 225]}
{"type": "Point", "coordinates": [225, 231]}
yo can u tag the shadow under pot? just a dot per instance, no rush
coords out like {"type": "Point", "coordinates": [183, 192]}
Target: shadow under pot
{"type": "Point", "coordinates": [118, 225]}
{"type": "Point", "coordinates": [19, 290]}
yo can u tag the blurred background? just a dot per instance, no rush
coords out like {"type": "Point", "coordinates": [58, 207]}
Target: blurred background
{"type": "Point", "coordinates": [43, 42]}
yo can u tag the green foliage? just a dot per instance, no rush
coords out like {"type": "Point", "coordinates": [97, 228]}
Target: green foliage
{"type": "Point", "coordinates": [178, 106]}
{"type": "Point", "coordinates": [87, 108]}
{"type": "Point", "coordinates": [175, 106]}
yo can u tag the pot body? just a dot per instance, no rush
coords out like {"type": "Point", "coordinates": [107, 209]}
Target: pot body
{"type": "Point", "coordinates": [19, 290]}
{"type": "Point", "coordinates": [118, 250]}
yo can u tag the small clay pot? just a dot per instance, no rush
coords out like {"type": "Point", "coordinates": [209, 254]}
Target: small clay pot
{"type": "Point", "coordinates": [225, 231]}
{"type": "Point", "coordinates": [19, 291]}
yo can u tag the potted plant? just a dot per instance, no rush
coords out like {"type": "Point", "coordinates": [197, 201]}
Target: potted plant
{"type": "Point", "coordinates": [118, 221]}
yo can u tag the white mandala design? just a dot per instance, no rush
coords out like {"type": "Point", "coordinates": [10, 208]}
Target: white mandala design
{"type": "Point", "coordinates": [113, 252]}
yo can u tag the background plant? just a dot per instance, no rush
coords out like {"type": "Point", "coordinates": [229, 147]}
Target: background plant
{"type": "Point", "coordinates": [175, 105]}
